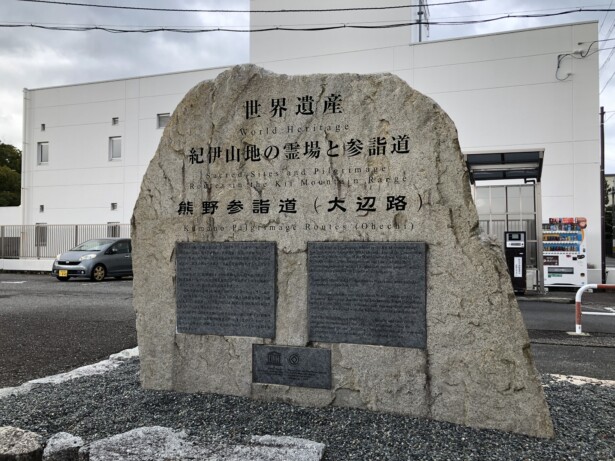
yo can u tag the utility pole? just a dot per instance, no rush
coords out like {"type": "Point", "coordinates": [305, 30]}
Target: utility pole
{"type": "Point", "coordinates": [610, 243]}
{"type": "Point", "coordinates": [420, 15]}
{"type": "Point", "coordinates": [602, 206]}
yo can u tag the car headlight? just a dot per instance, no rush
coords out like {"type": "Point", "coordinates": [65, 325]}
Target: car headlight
{"type": "Point", "coordinates": [58, 256]}
{"type": "Point", "coordinates": [86, 257]}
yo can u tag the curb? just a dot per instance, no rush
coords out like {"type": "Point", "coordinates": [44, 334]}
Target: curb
{"type": "Point", "coordinates": [546, 299]}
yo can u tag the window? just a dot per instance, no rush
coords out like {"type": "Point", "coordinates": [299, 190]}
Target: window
{"type": "Point", "coordinates": [115, 148]}
{"type": "Point", "coordinates": [115, 121]}
{"type": "Point", "coordinates": [40, 235]}
{"type": "Point", "coordinates": [42, 152]}
{"type": "Point", "coordinates": [113, 229]}
{"type": "Point", "coordinates": [113, 206]}
{"type": "Point", "coordinates": [41, 208]}
{"type": "Point", "coordinates": [42, 127]}
{"type": "Point", "coordinates": [509, 208]}
{"type": "Point", "coordinates": [121, 248]}
{"type": "Point", "coordinates": [163, 120]}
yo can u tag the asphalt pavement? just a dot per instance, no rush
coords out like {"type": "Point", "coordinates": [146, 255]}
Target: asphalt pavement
{"type": "Point", "coordinates": [48, 327]}
{"type": "Point", "coordinates": [550, 320]}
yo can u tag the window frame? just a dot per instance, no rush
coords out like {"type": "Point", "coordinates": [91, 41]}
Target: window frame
{"type": "Point", "coordinates": [113, 229]}
{"type": "Point", "coordinates": [112, 140]}
{"type": "Point", "coordinates": [40, 234]}
{"type": "Point", "coordinates": [164, 115]}
{"type": "Point", "coordinates": [39, 153]}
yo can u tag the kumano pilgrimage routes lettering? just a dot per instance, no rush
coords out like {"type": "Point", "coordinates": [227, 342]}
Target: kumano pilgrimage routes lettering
{"type": "Point", "coordinates": [308, 173]}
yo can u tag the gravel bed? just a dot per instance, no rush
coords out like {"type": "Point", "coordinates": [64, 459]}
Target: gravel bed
{"type": "Point", "coordinates": [99, 406]}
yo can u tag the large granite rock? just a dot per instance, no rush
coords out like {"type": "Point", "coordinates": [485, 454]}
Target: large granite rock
{"type": "Point", "coordinates": [160, 443]}
{"type": "Point", "coordinates": [272, 448]}
{"type": "Point", "coordinates": [19, 445]}
{"type": "Point", "coordinates": [63, 447]}
{"type": "Point", "coordinates": [141, 444]}
{"type": "Point", "coordinates": [255, 156]}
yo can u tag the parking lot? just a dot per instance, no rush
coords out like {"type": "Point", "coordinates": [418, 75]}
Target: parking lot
{"type": "Point", "coordinates": [48, 326]}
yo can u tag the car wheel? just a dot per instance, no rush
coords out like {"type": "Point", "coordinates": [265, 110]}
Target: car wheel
{"type": "Point", "coordinates": [62, 279]}
{"type": "Point", "coordinates": [99, 273]}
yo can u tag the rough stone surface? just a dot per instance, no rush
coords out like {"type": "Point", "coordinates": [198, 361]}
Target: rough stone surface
{"type": "Point", "coordinates": [477, 367]}
{"type": "Point", "coordinates": [142, 444]}
{"type": "Point", "coordinates": [98, 368]}
{"type": "Point", "coordinates": [270, 448]}
{"type": "Point", "coordinates": [161, 443]}
{"type": "Point", "coordinates": [19, 445]}
{"type": "Point", "coordinates": [63, 447]}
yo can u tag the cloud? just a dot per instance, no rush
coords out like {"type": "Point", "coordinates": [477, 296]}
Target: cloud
{"type": "Point", "coordinates": [33, 58]}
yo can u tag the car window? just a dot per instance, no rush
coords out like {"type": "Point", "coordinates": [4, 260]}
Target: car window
{"type": "Point", "coordinates": [91, 245]}
{"type": "Point", "coordinates": [120, 248]}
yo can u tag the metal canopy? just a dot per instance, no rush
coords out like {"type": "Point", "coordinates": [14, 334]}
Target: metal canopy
{"type": "Point", "coordinates": [504, 165]}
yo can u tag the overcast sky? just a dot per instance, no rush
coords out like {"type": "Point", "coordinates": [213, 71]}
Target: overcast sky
{"type": "Point", "coordinates": [33, 58]}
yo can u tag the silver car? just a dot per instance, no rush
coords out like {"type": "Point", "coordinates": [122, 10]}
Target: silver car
{"type": "Point", "coordinates": [95, 259]}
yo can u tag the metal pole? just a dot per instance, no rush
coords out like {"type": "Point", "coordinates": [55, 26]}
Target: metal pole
{"type": "Point", "coordinates": [602, 207]}
{"type": "Point", "coordinates": [610, 244]}
{"type": "Point", "coordinates": [577, 308]}
{"type": "Point", "coordinates": [577, 303]}
{"type": "Point", "coordinates": [420, 15]}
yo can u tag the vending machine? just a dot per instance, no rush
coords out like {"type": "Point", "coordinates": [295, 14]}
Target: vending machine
{"type": "Point", "coordinates": [564, 252]}
{"type": "Point", "coordinates": [515, 252]}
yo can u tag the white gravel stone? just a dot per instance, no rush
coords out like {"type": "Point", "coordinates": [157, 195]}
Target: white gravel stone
{"type": "Point", "coordinates": [20, 445]}
{"type": "Point", "coordinates": [63, 447]}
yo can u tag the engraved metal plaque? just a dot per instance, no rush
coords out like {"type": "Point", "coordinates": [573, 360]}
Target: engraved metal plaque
{"type": "Point", "coordinates": [291, 366]}
{"type": "Point", "coordinates": [367, 293]}
{"type": "Point", "coordinates": [226, 288]}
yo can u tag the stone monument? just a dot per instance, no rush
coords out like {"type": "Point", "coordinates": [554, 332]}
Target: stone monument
{"type": "Point", "coordinates": [313, 240]}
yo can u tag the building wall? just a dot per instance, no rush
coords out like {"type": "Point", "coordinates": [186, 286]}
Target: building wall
{"type": "Point", "coordinates": [502, 92]}
{"type": "Point", "coordinates": [79, 182]}
{"type": "Point", "coordinates": [276, 45]}
{"type": "Point", "coordinates": [10, 215]}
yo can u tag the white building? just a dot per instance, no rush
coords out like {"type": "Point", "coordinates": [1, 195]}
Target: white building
{"type": "Point", "coordinates": [86, 146]}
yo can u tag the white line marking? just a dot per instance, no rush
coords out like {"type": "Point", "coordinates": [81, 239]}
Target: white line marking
{"type": "Point", "coordinates": [599, 313]}
{"type": "Point", "coordinates": [23, 281]}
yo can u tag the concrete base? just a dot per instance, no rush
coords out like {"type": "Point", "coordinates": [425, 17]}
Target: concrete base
{"type": "Point", "coordinates": [26, 265]}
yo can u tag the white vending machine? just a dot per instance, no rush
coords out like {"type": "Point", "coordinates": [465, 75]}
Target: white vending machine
{"type": "Point", "coordinates": [564, 252]}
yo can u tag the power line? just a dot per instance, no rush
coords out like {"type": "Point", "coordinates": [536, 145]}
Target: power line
{"type": "Point", "coordinates": [604, 21]}
{"type": "Point", "coordinates": [607, 59]}
{"type": "Point", "coordinates": [290, 29]}
{"type": "Point", "coordinates": [500, 13]}
{"type": "Point", "coordinates": [523, 16]}
{"type": "Point", "coordinates": [607, 83]}
{"type": "Point", "coordinates": [178, 10]}
{"type": "Point", "coordinates": [608, 35]}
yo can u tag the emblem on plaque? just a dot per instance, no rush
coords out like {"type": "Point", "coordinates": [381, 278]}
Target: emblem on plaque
{"type": "Point", "coordinates": [274, 358]}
